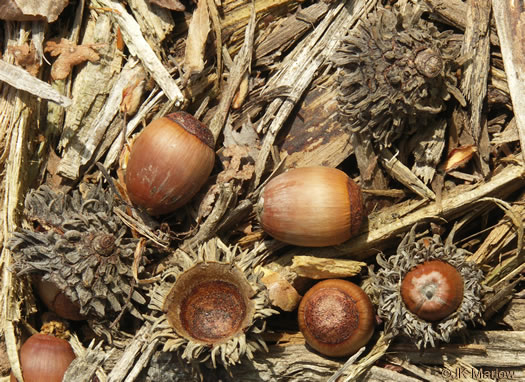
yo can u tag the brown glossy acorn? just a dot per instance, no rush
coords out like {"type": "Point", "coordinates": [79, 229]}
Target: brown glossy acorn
{"type": "Point", "coordinates": [169, 162]}
{"type": "Point", "coordinates": [44, 358]}
{"type": "Point", "coordinates": [432, 290]}
{"type": "Point", "coordinates": [311, 207]}
{"type": "Point", "coordinates": [336, 318]}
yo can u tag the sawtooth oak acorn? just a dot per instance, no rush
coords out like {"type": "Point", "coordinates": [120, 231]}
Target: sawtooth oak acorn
{"type": "Point", "coordinates": [169, 162]}
{"type": "Point", "coordinates": [427, 290]}
{"type": "Point", "coordinates": [44, 357]}
{"type": "Point", "coordinates": [432, 290]}
{"type": "Point", "coordinates": [311, 207]}
{"type": "Point", "coordinates": [336, 318]}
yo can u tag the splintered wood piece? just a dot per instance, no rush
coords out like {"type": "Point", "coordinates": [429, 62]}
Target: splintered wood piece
{"type": "Point", "coordinates": [92, 86]}
{"type": "Point", "coordinates": [285, 32]}
{"type": "Point", "coordinates": [325, 268]}
{"type": "Point", "coordinates": [88, 362]}
{"type": "Point", "coordinates": [297, 72]}
{"type": "Point", "coordinates": [242, 64]}
{"type": "Point", "coordinates": [20, 79]}
{"type": "Point", "coordinates": [514, 314]}
{"type": "Point", "coordinates": [155, 22]}
{"type": "Point", "coordinates": [474, 83]}
{"type": "Point", "coordinates": [510, 22]}
{"type": "Point", "coordinates": [316, 137]}
{"type": "Point", "coordinates": [401, 173]}
{"type": "Point", "coordinates": [139, 47]}
{"type": "Point", "coordinates": [501, 235]}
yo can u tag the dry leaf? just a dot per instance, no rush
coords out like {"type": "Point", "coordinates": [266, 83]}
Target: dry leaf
{"type": "Point", "coordinates": [69, 56]}
{"type": "Point", "coordinates": [196, 41]}
{"type": "Point", "coordinates": [23, 10]}
{"type": "Point", "coordinates": [25, 56]}
{"type": "Point", "coordinates": [234, 167]}
{"type": "Point", "coordinates": [458, 157]}
{"type": "Point", "coordinates": [174, 5]}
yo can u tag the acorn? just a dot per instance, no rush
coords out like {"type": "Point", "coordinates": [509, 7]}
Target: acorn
{"type": "Point", "coordinates": [432, 290]}
{"type": "Point", "coordinates": [311, 207]}
{"type": "Point", "coordinates": [56, 300]}
{"type": "Point", "coordinates": [44, 357]}
{"type": "Point", "coordinates": [427, 290]}
{"type": "Point", "coordinates": [215, 308]}
{"type": "Point", "coordinates": [169, 162]}
{"type": "Point", "coordinates": [336, 317]}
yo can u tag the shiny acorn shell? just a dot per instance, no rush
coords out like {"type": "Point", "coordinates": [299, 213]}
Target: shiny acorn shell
{"type": "Point", "coordinates": [311, 207]}
{"type": "Point", "coordinates": [432, 290]}
{"type": "Point", "coordinates": [169, 162]}
{"type": "Point", "coordinates": [44, 358]}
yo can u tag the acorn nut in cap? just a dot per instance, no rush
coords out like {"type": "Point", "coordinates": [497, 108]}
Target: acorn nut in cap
{"type": "Point", "coordinates": [311, 207]}
{"type": "Point", "coordinates": [432, 290]}
{"type": "Point", "coordinates": [169, 162]}
{"type": "Point", "coordinates": [427, 290]}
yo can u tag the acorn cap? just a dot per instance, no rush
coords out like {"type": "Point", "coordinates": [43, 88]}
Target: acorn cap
{"type": "Point", "coordinates": [411, 253]}
{"type": "Point", "coordinates": [210, 303]}
{"type": "Point", "coordinates": [81, 247]}
{"type": "Point", "coordinates": [212, 306]}
{"type": "Point", "coordinates": [396, 73]}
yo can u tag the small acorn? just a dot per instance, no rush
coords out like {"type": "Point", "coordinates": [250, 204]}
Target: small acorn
{"type": "Point", "coordinates": [56, 300]}
{"type": "Point", "coordinates": [432, 290]}
{"type": "Point", "coordinates": [311, 207]}
{"type": "Point", "coordinates": [44, 357]}
{"type": "Point", "coordinates": [427, 290]}
{"type": "Point", "coordinates": [169, 162]}
{"type": "Point", "coordinates": [336, 318]}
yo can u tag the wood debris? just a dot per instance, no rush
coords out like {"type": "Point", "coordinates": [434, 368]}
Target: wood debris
{"type": "Point", "coordinates": [281, 84]}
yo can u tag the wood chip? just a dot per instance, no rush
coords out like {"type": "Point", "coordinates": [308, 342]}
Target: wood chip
{"type": "Point", "coordinates": [196, 41]}
{"type": "Point", "coordinates": [22, 80]}
{"type": "Point", "coordinates": [509, 22]}
{"type": "Point", "coordinates": [138, 46]}
{"type": "Point", "coordinates": [325, 268]}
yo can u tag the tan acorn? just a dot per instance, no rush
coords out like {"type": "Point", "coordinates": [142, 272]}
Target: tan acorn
{"type": "Point", "coordinates": [311, 207]}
